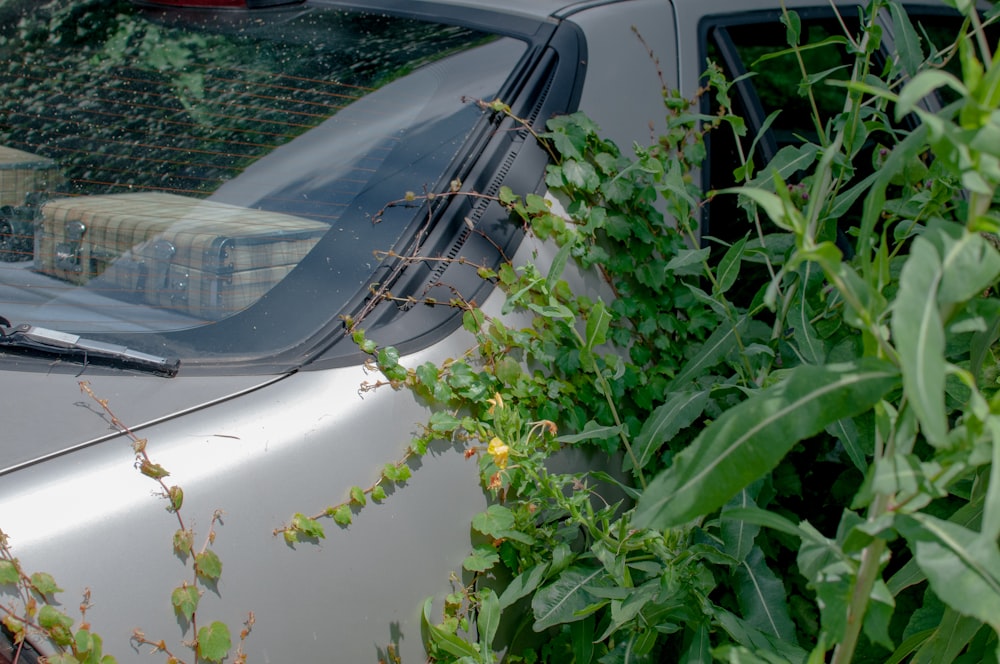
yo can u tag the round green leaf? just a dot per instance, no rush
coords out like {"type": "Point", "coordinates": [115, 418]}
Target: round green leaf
{"type": "Point", "coordinates": [214, 642]}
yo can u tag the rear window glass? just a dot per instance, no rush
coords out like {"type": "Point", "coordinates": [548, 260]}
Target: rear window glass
{"type": "Point", "coordinates": [176, 173]}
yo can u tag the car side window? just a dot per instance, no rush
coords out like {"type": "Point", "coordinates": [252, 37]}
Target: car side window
{"type": "Point", "coordinates": [767, 84]}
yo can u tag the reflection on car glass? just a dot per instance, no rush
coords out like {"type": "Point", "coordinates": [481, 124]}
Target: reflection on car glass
{"type": "Point", "coordinates": [161, 172]}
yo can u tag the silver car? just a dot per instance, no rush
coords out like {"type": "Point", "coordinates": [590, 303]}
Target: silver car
{"type": "Point", "coordinates": [195, 195]}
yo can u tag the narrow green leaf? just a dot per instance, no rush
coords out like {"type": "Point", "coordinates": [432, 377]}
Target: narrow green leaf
{"type": "Point", "coordinates": [750, 439]}
{"type": "Point", "coordinates": [522, 584]}
{"type": "Point", "coordinates": [788, 161]}
{"type": "Point", "coordinates": [991, 510]}
{"type": "Point", "coordinates": [688, 261]}
{"type": "Point", "coordinates": [446, 641]}
{"type": "Point", "coordinates": [738, 535]}
{"type": "Point", "coordinates": [710, 353]}
{"type": "Point", "coordinates": [729, 267]}
{"type": "Point", "coordinates": [952, 634]}
{"type": "Point", "coordinates": [591, 431]}
{"type": "Point", "coordinates": [678, 412]}
{"type": "Point", "coordinates": [918, 332]}
{"type": "Point", "coordinates": [799, 318]}
{"type": "Point", "coordinates": [772, 205]}
{"type": "Point", "coordinates": [777, 650]}
{"type": "Point", "coordinates": [761, 517]}
{"type": "Point", "coordinates": [922, 85]}
{"type": "Point", "coordinates": [489, 618]}
{"type": "Point", "coordinates": [969, 515]}
{"type": "Point", "coordinates": [969, 264]}
{"type": "Point", "coordinates": [962, 567]}
{"type": "Point", "coordinates": [582, 636]}
{"type": "Point", "coordinates": [598, 321]}
{"type": "Point", "coordinates": [557, 267]}
{"type": "Point", "coordinates": [214, 642]}
{"type": "Point", "coordinates": [560, 601]}
{"type": "Point", "coordinates": [878, 615]}
{"type": "Point", "coordinates": [846, 431]}
{"type": "Point", "coordinates": [907, 42]}
{"type": "Point", "coordinates": [761, 596]}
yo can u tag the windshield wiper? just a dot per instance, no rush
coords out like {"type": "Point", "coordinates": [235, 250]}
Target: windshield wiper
{"type": "Point", "coordinates": [32, 338]}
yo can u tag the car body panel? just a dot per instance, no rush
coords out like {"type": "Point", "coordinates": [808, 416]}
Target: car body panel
{"type": "Point", "coordinates": [32, 434]}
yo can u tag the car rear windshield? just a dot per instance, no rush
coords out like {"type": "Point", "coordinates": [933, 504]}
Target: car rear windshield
{"type": "Point", "coordinates": [181, 175]}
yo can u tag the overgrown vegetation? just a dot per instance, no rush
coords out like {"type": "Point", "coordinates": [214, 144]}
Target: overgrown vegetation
{"type": "Point", "coordinates": [813, 472]}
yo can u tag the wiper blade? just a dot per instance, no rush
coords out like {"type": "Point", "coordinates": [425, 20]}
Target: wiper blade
{"type": "Point", "coordinates": [63, 344]}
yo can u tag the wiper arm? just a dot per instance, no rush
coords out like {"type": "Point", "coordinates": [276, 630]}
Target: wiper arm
{"type": "Point", "coordinates": [64, 344]}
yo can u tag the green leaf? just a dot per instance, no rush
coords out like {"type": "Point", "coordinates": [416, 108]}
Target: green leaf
{"type": "Point", "coordinates": [522, 584]}
{"type": "Point", "coordinates": [738, 535]}
{"type": "Point", "coordinates": [750, 439]}
{"type": "Point", "coordinates": [774, 649]}
{"type": "Point", "coordinates": [446, 641]}
{"type": "Point", "coordinates": [710, 353]}
{"type": "Point", "coordinates": [494, 520]}
{"type": "Point", "coordinates": [878, 615]}
{"type": "Point", "coordinates": [44, 583]}
{"type": "Point", "coordinates": [443, 422]}
{"type": "Point", "coordinates": [183, 542]}
{"type": "Point", "coordinates": [560, 601]}
{"type": "Point", "coordinates": [307, 526]}
{"type": "Point", "coordinates": [185, 600]}
{"type": "Point", "coordinates": [761, 596]}
{"type": "Point", "coordinates": [342, 515]}
{"type": "Point", "coordinates": [557, 267]}
{"type": "Point", "coordinates": [208, 566]}
{"type": "Point", "coordinates": [8, 573]}
{"type": "Point", "coordinates": [918, 332]}
{"type": "Point", "coordinates": [969, 264]}
{"type": "Point", "coordinates": [481, 559]}
{"type": "Point", "coordinates": [51, 618]}
{"type": "Point", "coordinates": [214, 642]}
{"type": "Point", "coordinates": [963, 568]}
{"type": "Point", "coordinates": [582, 638]}
{"type": "Point", "coordinates": [581, 175]}
{"type": "Point", "coordinates": [922, 85]}
{"type": "Point", "coordinates": [598, 321]}
{"type": "Point", "coordinates": [591, 431]}
{"type": "Point", "coordinates": [678, 412]}
{"type": "Point", "coordinates": [799, 318]}
{"type": "Point", "coordinates": [788, 161]}
{"type": "Point", "coordinates": [488, 619]}
{"type": "Point", "coordinates": [950, 636]}
{"type": "Point", "coordinates": [688, 261]}
{"type": "Point", "coordinates": [846, 431]}
{"type": "Point", "coordinates": [358, 496]}
{"type": "Point", "coordinates": [729, 268]}
{"type": "Point", "coordinates": [906, 41]}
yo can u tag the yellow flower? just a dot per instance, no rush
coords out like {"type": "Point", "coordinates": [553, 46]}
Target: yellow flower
{"type": "Point", "coordinates": [499, 452]}
{"type": "Point", "coordinates": [495, 402]}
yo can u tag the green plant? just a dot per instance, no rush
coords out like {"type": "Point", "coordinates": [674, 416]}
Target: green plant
{"type": "Point", "coordinates": [34, 613]}
{"type": "Point", "coordinates": [840, 426]}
